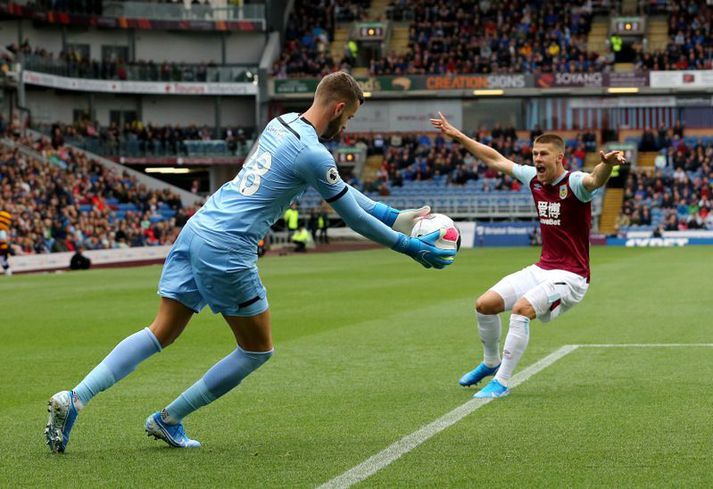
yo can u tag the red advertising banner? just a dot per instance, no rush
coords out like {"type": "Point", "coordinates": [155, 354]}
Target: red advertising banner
{"type": "Point", "coordinates": [596, 80]}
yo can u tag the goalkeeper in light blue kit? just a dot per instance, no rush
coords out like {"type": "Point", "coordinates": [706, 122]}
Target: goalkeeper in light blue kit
{"type": "Point", "coordinates": [213, 261]}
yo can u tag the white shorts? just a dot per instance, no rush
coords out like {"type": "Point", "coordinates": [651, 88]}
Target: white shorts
{"type": "Point", "coordinates": [551, 292]}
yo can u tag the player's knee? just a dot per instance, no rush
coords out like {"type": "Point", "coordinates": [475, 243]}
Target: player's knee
{"type": "Point", "coordinates": [524, 308]}
{"type": "Point", "coordinates": [163, 335]}
{"type": "Point", "coordinates": [485, 305]}
{"type": "Point", "coordinates": [257, 358]}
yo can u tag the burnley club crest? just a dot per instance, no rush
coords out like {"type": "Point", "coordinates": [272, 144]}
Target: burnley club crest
{"type": "Point", "coordinates": [563, 191]}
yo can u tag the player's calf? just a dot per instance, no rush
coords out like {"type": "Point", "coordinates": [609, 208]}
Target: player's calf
{"type": "Point", "coordinates": [219, 380]}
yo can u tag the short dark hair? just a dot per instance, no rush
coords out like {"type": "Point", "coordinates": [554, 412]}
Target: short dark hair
{"type": "Point", "coordinates": [551, 138]}
{"type": "Point", "coordinates": [339, 87]}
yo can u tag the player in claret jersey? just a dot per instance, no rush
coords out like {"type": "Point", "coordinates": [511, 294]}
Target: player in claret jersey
{"type": "Point", "coordinates": [560, 279]}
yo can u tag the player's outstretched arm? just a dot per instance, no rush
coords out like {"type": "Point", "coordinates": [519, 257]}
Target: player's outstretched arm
{"type": "Point", "coordinates": [423, 250]}
{"type": "Point", "coordinates": [401, 221]}
{"type": "Point", "coordinates": [601, 173]}
{"type": "Point", "coordinates": [318, 169]}
{"type": "Point", "coordinates": [486, 154]}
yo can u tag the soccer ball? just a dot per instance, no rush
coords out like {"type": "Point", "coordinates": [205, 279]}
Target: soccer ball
{"type": "Point", "coordinates": [433, 222]}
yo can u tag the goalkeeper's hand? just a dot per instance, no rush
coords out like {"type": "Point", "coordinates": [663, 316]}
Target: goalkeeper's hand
{"type": "Point", "coordinates": [424, 250]}
{"type": "Point", "coordinates": [406, 219]}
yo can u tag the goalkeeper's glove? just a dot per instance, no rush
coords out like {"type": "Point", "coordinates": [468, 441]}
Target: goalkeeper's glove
{"type": "Point", "coordinates": [401, 221]}
{"type": "Point", "coordinates": [424, 250]}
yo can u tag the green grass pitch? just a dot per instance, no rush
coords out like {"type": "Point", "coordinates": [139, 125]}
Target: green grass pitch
{"type": "Point", "coordinates": [369, 348]}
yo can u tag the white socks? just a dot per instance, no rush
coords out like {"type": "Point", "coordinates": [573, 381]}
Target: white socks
{"type": "Point", "coordinates": [489, 328]}
{"type": "Point", "coordinates": [515, 344]}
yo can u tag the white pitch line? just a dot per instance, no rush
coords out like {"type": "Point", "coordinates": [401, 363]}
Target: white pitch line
{"type": "Point", "coordinates": [648, 345]}
{"type": "Point", "coordinates": [393, 452]}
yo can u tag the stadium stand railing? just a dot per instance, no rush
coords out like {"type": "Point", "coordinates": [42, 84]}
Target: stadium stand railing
{"type": "Point", "coordinates": [178, 11]}
{"type": "Point", "coordinates": [460, 202]}
{"type": "Point", "coordinates": [140, 71]}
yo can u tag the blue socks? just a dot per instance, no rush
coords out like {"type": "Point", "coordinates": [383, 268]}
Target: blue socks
{"type": "Point", "coordinates": [221, 378]}
{"type": "Point", "coordinates": [126, 356]}
{"type": "Point", "coordinates": [122, 360]}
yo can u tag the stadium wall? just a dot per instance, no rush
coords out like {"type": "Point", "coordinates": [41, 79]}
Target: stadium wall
{"type": "Point", "coordinates": [237, 111]}
{"type": "Point", "coordinates": [49, 38]}
{"type": "Point", "coordinates": [507, 233]}
{"type": "Point", "coordinates": [241, 48]}
{"type": "Point", "coordinates": [186, 110]}
{"type": "Point", "coordinates": [405, 116]}
{"type": "Point", "coordinates": [100, 259]}
{"type": "Point", "coordinates": [188, 47]}
{"type": "Point", "coordinates": [646, 239]}
{"type": "Point", "coordinates": [96, 39]}
{"type": "Point", "coordinates": [156, 45]}
{"type": "Point", "coordinates": [48, 106]}
{"type": "Point", "coordinates": [199, 47]}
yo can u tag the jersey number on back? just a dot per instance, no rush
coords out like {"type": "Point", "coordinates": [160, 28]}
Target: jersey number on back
{"type": "Point", "coordinates": [249, 178]}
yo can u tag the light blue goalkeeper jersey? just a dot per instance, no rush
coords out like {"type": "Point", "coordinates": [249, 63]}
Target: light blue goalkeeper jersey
{"type": "Point", "coordinates": [287, 158]}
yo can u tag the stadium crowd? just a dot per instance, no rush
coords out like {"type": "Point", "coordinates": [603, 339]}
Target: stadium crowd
{"type": "Point", "coordinates": [494, 37]}
{"type": "Point", "coordinates": [72, 202]}
{"type": "Point", "coordinates": [458, 37]}
{"type": "Point", "coordinates": [409, 157]}
{"type": "Point", "coordinates": [309, 32]}
{"type": "Point", "coordinates": [690, 44]}
{"type": "Point", "coordinates": [676, 197]}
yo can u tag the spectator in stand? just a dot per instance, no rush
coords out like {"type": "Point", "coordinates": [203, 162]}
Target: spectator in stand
{"type": "Point", "coordinates": [679, 194]}
{"type": "Point", "coordinates": [409, 157]}
{"type": "Point", "coordinates": [689, 46]}
{"type": "Point", "coordinates": [47, 199]}
{"type": "Point", "coordinates": [492, 38]}
{"type": "Point", "coordinates": [308, 35]}
{"type": "Point", "coordinates": [448, 38]}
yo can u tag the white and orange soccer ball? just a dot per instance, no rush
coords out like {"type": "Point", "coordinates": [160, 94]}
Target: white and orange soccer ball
{"type": "Point", "coordinates": [450, 239]}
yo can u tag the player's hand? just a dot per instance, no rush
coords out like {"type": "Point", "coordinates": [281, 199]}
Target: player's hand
{"type": "Point", "coordinates": [613, 158]}
{"type": "Point", "coordinates": [446, 127]}
{"type": "Point", "coordinates": [406, 220]}
{"type": "Point", "coordinates": [424, 251]}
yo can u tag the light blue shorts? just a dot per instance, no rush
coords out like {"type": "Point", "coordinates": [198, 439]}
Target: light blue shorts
{"type": "Point", "coordinates": [197, 274]}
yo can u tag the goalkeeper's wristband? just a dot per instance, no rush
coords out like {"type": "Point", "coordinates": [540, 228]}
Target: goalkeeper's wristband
{"type": "Point", "coordinates": [385, 214]}
{"type": "Point", "coordinates": [402, 244]}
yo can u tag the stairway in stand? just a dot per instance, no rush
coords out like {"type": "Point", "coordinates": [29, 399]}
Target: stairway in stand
{"type": "Point", "coordinates": [656, 33]}
{"type": "Point", "coordinates": [597, 38]}
{"type": "Point", "coordinates": [399, 39]}
{"type": "Point", "coordinates": [611, 208]}
{"type": "Point", "coordinates": [629, 7]}
{"type": "Point", "coordinates": [341, 35]}
{"type": "Point", "coordinates": [371, 168]}
{"type": "Point", "coordinates": [377, 10]}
